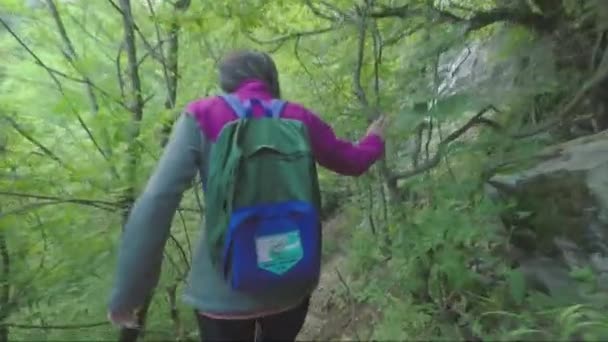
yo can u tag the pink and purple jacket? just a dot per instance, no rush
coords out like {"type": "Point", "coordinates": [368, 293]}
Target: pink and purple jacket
{"type": "Point", "coordinates": [186, 154]}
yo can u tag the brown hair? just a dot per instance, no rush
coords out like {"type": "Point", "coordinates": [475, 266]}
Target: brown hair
{"type": "Point", "coordinates": [245, 65]}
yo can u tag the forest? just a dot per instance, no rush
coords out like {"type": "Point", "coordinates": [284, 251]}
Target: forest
{"type": "Point", "coordinates": [486, 220]}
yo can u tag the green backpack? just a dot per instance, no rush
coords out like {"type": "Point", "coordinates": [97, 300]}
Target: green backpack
{"type": "Point", "coordinates": [263, 201]}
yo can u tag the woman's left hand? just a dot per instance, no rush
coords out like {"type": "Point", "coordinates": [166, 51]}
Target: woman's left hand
{"type": "Point", "coordinates": [124, 319]}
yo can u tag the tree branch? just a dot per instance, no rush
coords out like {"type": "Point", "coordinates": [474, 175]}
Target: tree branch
{"type": "Point", "coordinates": [442, 146]}
{"type": "Point", "coordinates": [179, 7]}
{"type": "Point", "coordinates": [33, 206]}
{"type": "Point", "coordinates": [33, 140]}
{"type": "Point", "coordinates": [397, 37]}
{"type": "Point", "coordinates": [358, 88]}
{"type": "Point", "coordinates": [402, 12]}
{"type": "Point", "coordinates": [46, 197]}
{"type": "Point", "coordinates": [149, 48]}
{"type": "Point", "coordinates": [173, 309]}
{"type": "Point", "coordinates": [101, 204]}
{"type": "Point", "coordinates": [185, 226]}
{"type": "Point", "coordinates": [475, 21]}
{"type": "Point", "coordinates": [418, 142]}
{"type": "Point", "coordinates": [525, 18]}
{"type": "Point", "coordinates": [105, 205]}
{"type": "Point", "coordinates": [351, 300]}
{"type": "Point", "coordinates": [5, 285]}
{"type": "Point", "coordinates": [135, 100]}
{"type": "Point", "coordinates": [600, 75]}
{"type": "Point", "coordinates": [103, 46]}
{"type": "Point", "coordinates": [199, 202]}
{"type": "Point", "coordinates": [56, 327]}
{"type": "Point", "coordinates": [136, 106]}
{"type": "Point", "coordinates": [337, 15]}
{"type": "Point", "coordinates": [70, 54]}
{"type": "Point", "coordinates": [170, 62]}
{"type": "Point", "coordinates": [160, 40]}
{"type": "Point", "coordinates": [57, 83]}
{"type": "Point", "coordinates": [280, 40]}
{"type": "Point", "coordinates": [182, 252]}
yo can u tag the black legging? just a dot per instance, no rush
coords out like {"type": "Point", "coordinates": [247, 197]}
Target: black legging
{"type": "Point", "coordinates": [283, 326]}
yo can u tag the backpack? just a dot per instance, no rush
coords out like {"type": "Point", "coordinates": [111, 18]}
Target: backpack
{"type": "Point", "coordinates": [263, 201]}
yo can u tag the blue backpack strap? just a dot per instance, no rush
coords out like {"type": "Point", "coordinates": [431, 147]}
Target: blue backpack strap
{"type": "Point", "coordinates": [239, 109]}
{"type": "Point", "coordinates": [250, 103]}
{"type": "Point", "coordinates": [272, 109]}
{"type": "Point", "coordinates": [276, 108]}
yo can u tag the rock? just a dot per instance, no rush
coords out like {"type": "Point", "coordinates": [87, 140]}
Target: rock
{"type": "Point", "coordinates": [599, 262]}
{"type": "Point", "coordinates": [572, 254]}
{"type": "Point", "coordinates": [548, 276]}
{"type": "Point", "coordinates": [560, 216]}
{"type": "Point", "coordinates": [564, 194]}
{"type": "Point", "coordinates": [602, 282]}
{"type": "Point", "coordinates": [483, 67]}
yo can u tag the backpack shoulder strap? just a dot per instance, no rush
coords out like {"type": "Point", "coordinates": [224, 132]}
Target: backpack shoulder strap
{"type": "Point", "coordinates": [273, 109]}
{"type": "Point", "coordinates": [276, 108]}
{"type": "Point", "coordinates": [236, 105]}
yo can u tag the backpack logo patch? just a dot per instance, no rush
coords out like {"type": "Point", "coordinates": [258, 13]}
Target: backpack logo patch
{"type": "Point", "coordinates": [279, 253]}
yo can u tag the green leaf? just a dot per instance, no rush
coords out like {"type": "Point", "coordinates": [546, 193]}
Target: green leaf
{"type": "Point", "coordinates": [517, 286]}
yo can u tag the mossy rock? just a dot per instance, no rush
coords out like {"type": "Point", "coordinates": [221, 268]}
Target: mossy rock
{"type": "Point", "coordinates": [565, 192]}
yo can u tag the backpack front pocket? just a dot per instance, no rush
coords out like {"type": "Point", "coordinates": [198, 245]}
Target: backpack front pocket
{"type": "Point", "coordinates": [270, 247]}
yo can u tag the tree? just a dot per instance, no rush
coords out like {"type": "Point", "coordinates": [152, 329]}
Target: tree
{"type": "Point", "coordinates": [90, 90]}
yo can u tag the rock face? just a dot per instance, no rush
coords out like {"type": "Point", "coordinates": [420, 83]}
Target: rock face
{"type": "Point", "coordinates": [503, 63]}
{"type": "Point", "coordinates": [559, 222]}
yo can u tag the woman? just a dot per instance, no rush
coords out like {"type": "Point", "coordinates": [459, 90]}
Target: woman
{"type": "Point", "coordinates": [223, 314]}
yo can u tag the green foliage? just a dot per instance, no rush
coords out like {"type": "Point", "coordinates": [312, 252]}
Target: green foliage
{"type": "Point", "coordinates": [444, 280]}
{"type": "Point", "coordinates": [67, 150]}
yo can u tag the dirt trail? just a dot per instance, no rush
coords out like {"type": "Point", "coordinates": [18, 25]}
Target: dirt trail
{"type": "Point", "coordinates": [332, 315]}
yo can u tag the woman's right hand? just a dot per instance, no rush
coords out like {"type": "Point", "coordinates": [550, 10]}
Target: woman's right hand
{"type": "Point", "coordinates": [378, 127]}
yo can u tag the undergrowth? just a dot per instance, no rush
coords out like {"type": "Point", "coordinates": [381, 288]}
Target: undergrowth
{"type": "Point", "coordinates": [443, 277]}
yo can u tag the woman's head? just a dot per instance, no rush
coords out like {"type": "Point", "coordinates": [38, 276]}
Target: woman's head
{"type": "Point", "coordinates": [246, 65]}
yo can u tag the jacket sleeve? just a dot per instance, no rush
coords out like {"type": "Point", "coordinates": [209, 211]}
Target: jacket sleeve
{"type": "Point", "coordinates": [147, 228]}
{"type": "Point", "coordinates": [341, 156]}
